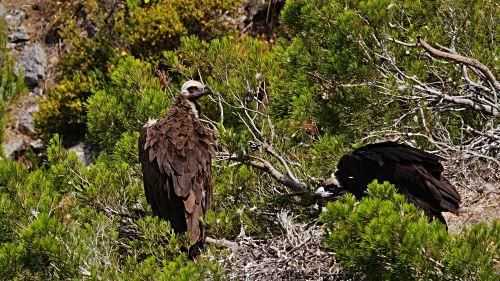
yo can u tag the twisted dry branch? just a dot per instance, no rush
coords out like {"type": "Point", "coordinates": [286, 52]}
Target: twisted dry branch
{"type": "Point", "coordinates": [484, 99]}
{"type": "Point", "coordinates": [255, 121]}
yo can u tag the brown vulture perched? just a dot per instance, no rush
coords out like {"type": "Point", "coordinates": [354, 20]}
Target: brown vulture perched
{"type": "Point", "coordinates": [415, 173]}
{"type": "Point", "coordinates": [175, 153]}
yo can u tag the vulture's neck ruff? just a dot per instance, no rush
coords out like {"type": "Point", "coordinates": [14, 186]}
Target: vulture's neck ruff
{"type": "Point", "coordinates": [194, 109]}
{"type": "Point", "coordinates": [188, 105]}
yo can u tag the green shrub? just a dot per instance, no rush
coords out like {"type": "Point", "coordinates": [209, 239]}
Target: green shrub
{"type": "Point", "coordinates": [132, 97]}
{"type": "Point", "coordinates": [179, 269]}
{"type": "Point", "coordinates": [33, 239]}
{"type": "Point", "coordinates": [384, 237]}
{"type": "Point", "coordinates": [235, 202]}
{"type": "Point", "coordinates": [159, 25]}
{"type": "Point", "coordinates": [233, 67]}
{"type": "Point", "coordinates": [40, 250]}
{"type": "Point", "coordinates": [324, 54]}
{"type": "Point", "coordinates": [11, 85]}
{"type": "Point", "coordinates": [84, 65]}
{"type": "Point", "coordinates": [63, 110]}
{"type": "Point", "coordinates": [325, 154]}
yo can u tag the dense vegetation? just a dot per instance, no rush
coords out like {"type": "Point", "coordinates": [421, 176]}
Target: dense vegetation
{"type": "Point", "coordinates": [334, 79]}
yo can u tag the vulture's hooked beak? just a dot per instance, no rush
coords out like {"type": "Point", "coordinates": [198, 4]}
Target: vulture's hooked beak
{"type": "Point", "coordinates": [330, 188]}
{"type": "Point", "coordinates": [206, 91]}
{"type": "Point", "coordinates": [200, 93]}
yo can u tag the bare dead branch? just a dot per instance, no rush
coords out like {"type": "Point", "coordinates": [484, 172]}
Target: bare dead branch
{"type": "Point", "coordinates": [223, 242]}
{"type": "Point", "coordinates": [265, 155]}
{"type": "Point", "coordinates": [297, 254]}
{"type": "Point", "coordinates": [283, 162]}
{"type": "Point", "coordinates": [473, 83]}
{"type": "Point", "coordinates": [164, 78]}
{"type": "Point", "coordinates": [285, 180]}
{"type": "Point", "coordinates": [463, 60]}
{"type": "Point", "coordinates": [468, 102]}
{"type": "Point", "coordinates": [481, 98]}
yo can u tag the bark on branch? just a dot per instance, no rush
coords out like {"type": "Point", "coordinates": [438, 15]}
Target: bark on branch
{"type": "Point", "coordinates": [261, 129]}
{"type": "Point", "coordinates": [461, 59]}
{"type": "Point", "coordinates": [285, 180]}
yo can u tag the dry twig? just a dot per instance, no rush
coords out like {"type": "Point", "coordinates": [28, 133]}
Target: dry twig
{"type": "Point", "coordinates": [295, 255]}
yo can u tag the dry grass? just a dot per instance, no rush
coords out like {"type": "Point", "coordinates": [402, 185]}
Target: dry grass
{"type": "Point", "coordinates": [478, 183]}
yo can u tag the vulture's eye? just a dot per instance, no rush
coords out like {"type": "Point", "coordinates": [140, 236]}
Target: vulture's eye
{"type": "Point", "coordinates": [192, 89]}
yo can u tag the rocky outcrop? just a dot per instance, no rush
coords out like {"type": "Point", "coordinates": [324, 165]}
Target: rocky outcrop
{"type": "Point", "coordinates": [18, 35]}
{"type": "Point", "coordinates": [261, 16]}
{"type": "Point", "coordinates": [33, 62]}
{"type": "Point", "coordinates": [25, 122]}
{"type": "Point", "coordinates": [84, 152]}
{"type": "Point", "coordinates": [14, 148]}
{"type": "Point", "coordinates": [15, 18]}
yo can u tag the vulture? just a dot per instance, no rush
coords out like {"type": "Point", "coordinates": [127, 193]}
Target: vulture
{"type": "Point", "coordinates": [415, 173]}
{"type": "Point", "coordinates": [175, 154]}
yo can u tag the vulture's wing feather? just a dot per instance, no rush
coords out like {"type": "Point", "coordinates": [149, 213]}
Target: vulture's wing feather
{"type": "Point", "coordinates": [416, 174]}
{"type": "Point", "coordinates": [402, 152]}
{"type": "Point", "coordinates": [433, 195]}
{"type": "Point", "coordinates": [157, 186]}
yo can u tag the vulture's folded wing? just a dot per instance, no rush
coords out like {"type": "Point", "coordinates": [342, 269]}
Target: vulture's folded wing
{"type": "Point", "coordinates": [176, 152]}
{"type": "Point", "coordinates": [416, 174]}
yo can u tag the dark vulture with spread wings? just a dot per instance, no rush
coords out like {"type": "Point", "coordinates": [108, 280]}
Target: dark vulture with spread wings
{"type": "Point", "coordinates": [175, 153]}
{"type": "Point", "coordinates": [415, 173]}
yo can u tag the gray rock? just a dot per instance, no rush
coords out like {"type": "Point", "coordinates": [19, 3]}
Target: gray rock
{"type": "Point", "coordinates": [14, 148]}
{"type": "Point", "coordinates": [33, 62]}
{"type": "Point", "coordinates": [490, 187]}
{"type": "Point", "coordinates": [25, 123]}
{"type": "Point", "coordinates": [85, 152]}
{"type": "Point", "coordinates": [18, 35]}
{"type": "Point", "coordinates": [37, 145]}
{"type": "Point", "coordinates": [15, 18]}
{"type": "Point", "coordinates": [34, 94]}
{"type": "Point", "coordinates": [260, 16]}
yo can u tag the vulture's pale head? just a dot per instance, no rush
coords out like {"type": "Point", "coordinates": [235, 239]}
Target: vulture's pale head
{"type": "Point", "coordinates": [193, 90]}
{"type": "Point", "coordinates": [330, 187]}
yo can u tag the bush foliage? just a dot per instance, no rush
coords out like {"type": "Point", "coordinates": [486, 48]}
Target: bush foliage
{"type": "Point", "coordinates": [132, 96]}
{"type": "Point", "coordinates": [159, 25]}
{"type": "Point", "coordinates": [334, 60]}
{"type": "Point", "coordinates": [383, 237]}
